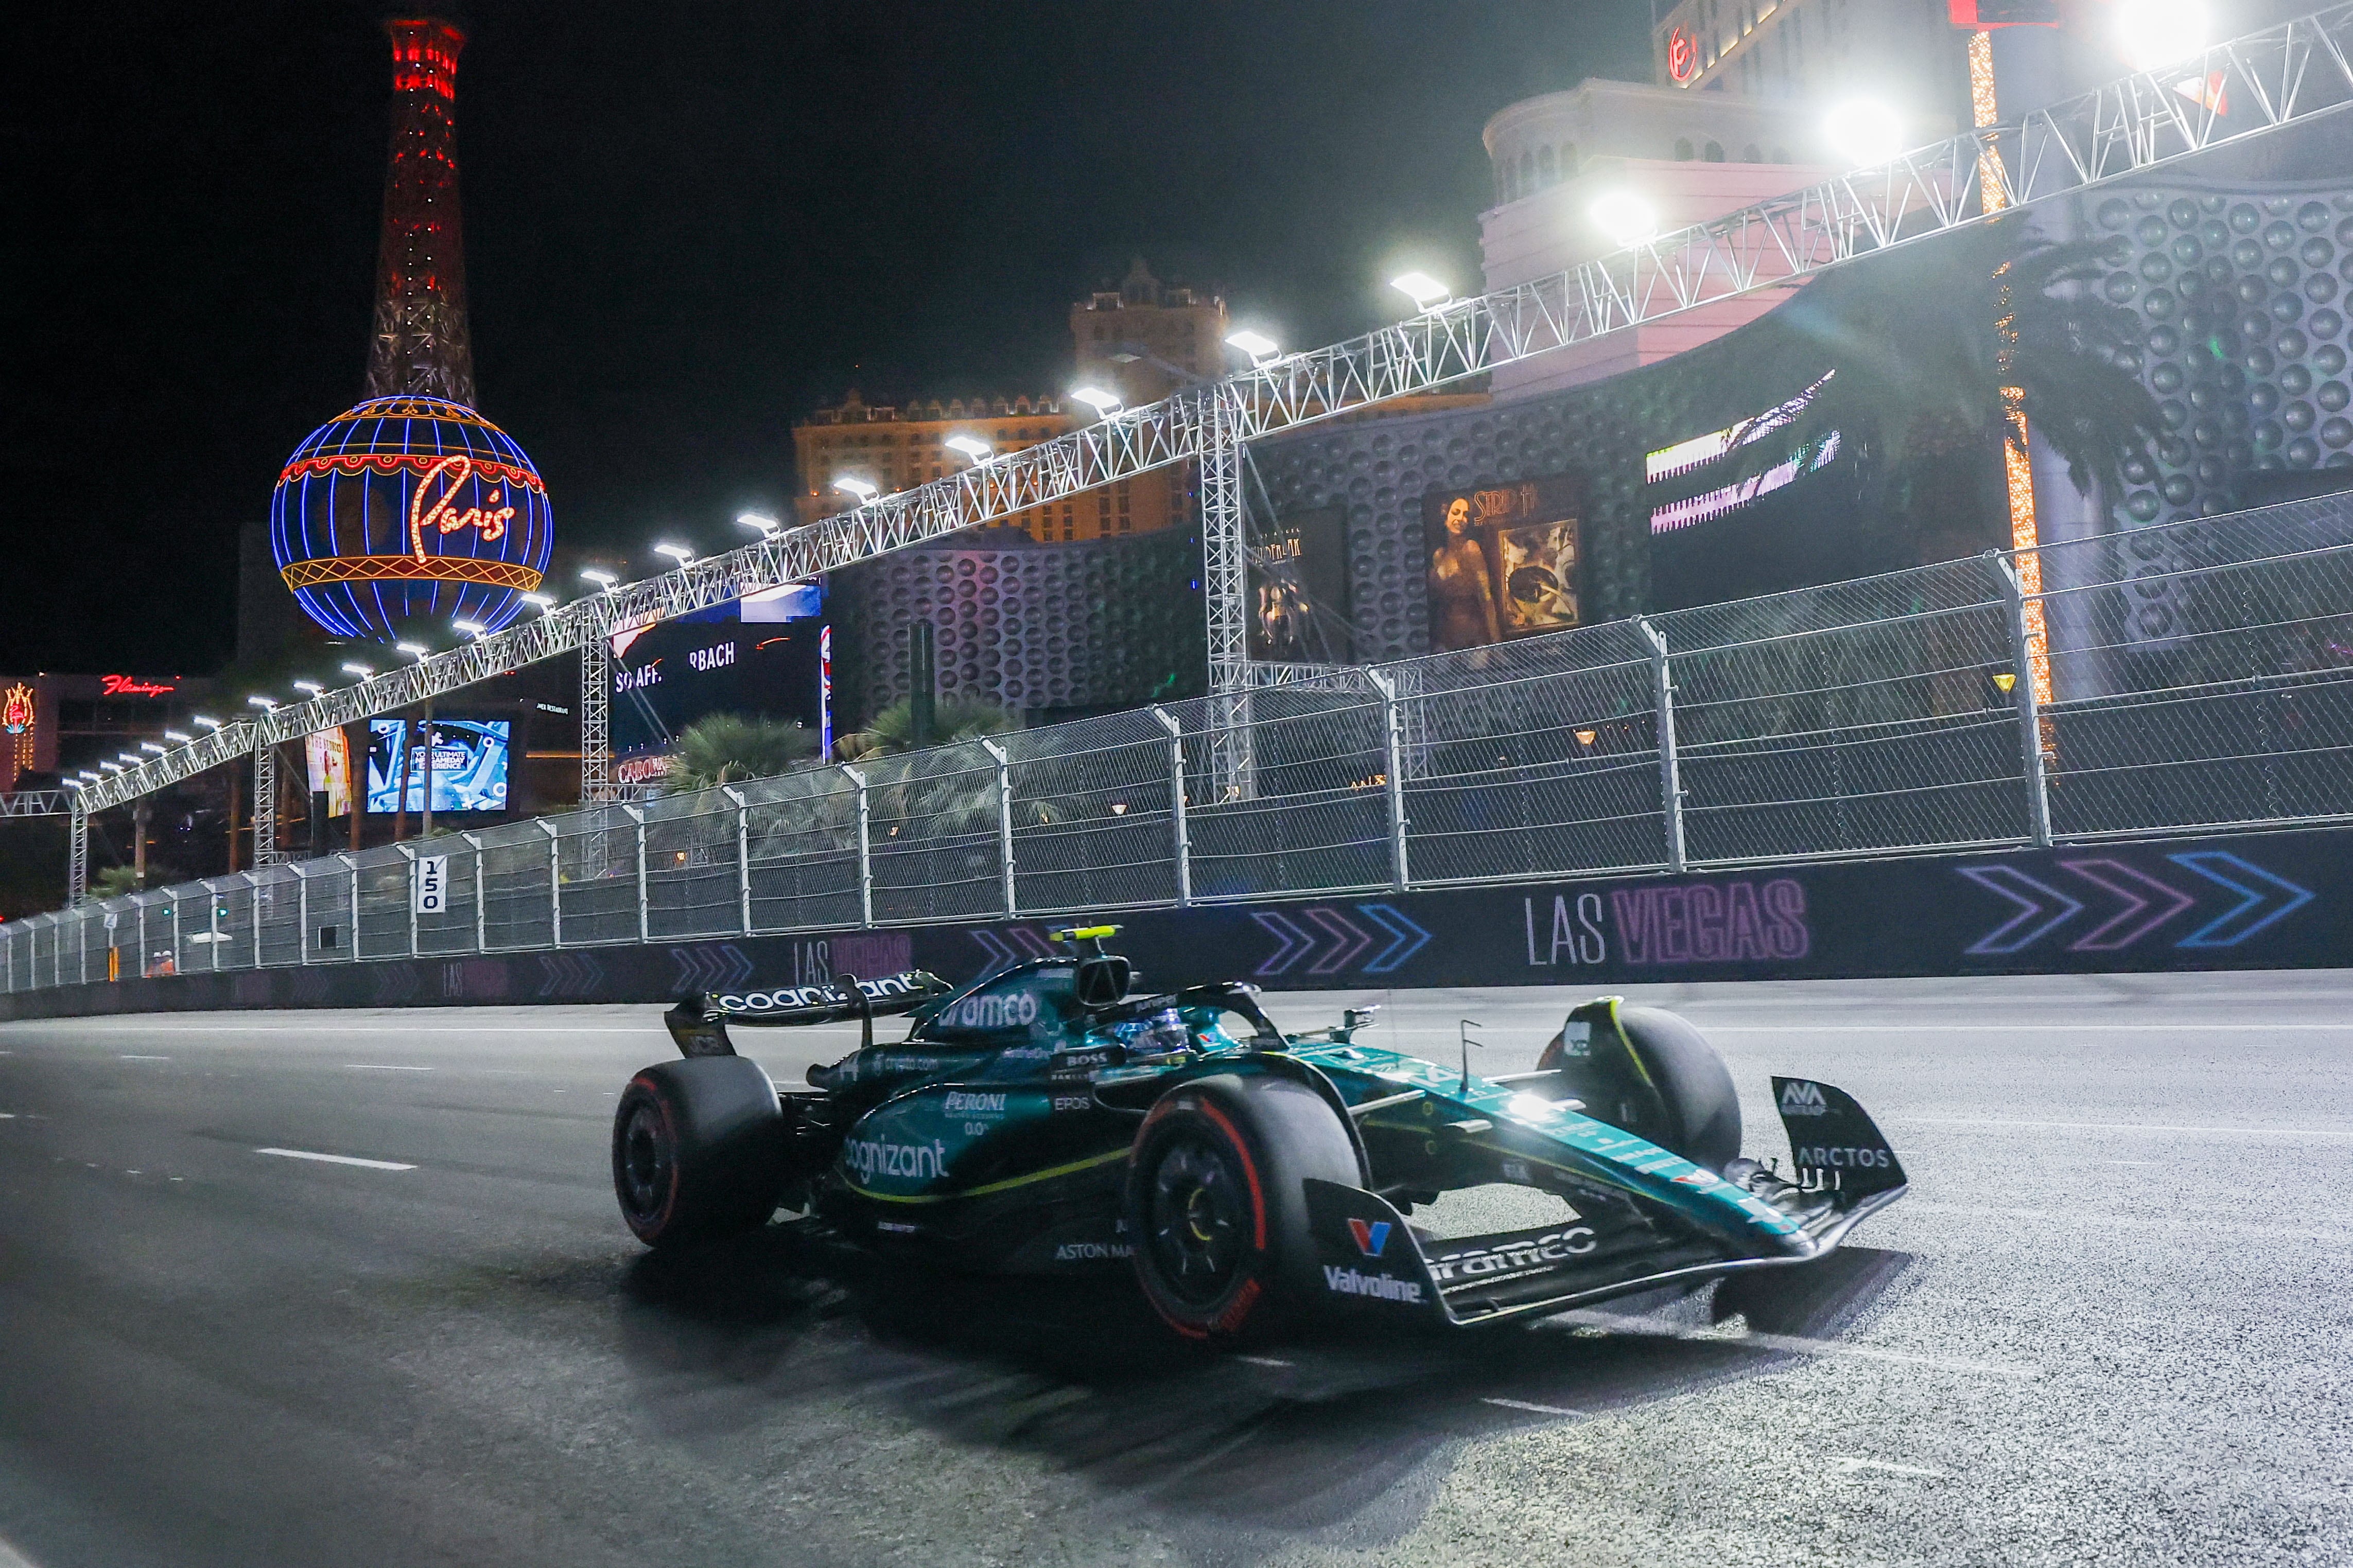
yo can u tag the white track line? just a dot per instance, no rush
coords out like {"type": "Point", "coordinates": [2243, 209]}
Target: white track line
{"type": "Point", "coordinates": [1538, 1409]}
{"type": "Point", "coordinates": [337, 1159]}
{"type": "Point", "coordinates": [385, 1067]}
{"type": "Point", "coordinates": [2129, 1127]}
{"type": "Point", "coordinates": [2039, 1026]}
{"type": "Point", "coordinates": [1849, 1466]}
{"type": "Point", "coordinates": [128, 1058]}
{"type": "Point", "coordinates": [1262, 1360]}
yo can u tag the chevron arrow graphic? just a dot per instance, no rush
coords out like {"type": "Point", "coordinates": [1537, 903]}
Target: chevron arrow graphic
{"type": "Point", "coordinates": [394, 984]}
{"type": "Point", "coordinates": [1406, 939]}
{"type": "Point", "coordinates": [1295, 943]}
{"type": "Point", "coordinates": [1348, 941]}
{"type": "Point", "coordinates": [2034, 920]}
{"type": "Point", "coordinates": [2256, 887]}
{"type": "Point", "coordinates": [2125, 928]}
{"type": "Point", "coordinates": [999, 955]}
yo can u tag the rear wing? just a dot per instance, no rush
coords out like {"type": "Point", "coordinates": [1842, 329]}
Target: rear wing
{"type": "Point", "coordinates": [698, 1022]}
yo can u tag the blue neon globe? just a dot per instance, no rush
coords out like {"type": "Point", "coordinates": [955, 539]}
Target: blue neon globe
{"type": "Point", "coordinates": [401, 515]}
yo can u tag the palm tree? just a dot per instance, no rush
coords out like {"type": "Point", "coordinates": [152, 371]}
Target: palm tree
{"type": "Point", "coordinates": [1929, 346]}
{"type": "Point", "coordinates": [727, 748]}
{"type": "Point", "coordinates": [894, 730]}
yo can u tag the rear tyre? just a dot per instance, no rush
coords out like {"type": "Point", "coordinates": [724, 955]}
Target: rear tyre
{"type": "Point", "coordinates": [698, 1150]}
{"type": "Point", "coordinates": [1215, 1205]}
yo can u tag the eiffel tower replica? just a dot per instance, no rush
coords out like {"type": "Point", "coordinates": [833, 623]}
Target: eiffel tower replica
{"type": "Point", "coordinates": [422, 344]}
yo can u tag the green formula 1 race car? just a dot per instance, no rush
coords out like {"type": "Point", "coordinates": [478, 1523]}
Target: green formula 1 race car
{"type": "Point", "coordinates": [1044, 1120]}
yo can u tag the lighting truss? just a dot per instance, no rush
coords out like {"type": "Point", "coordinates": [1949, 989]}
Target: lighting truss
{"type": "Point", "coordinates": [36, 803]}
{"type": "Point", "coordinates": [2281, 76]}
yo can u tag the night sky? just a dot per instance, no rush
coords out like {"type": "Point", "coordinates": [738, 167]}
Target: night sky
{"type": "Point", "coordinates": [686, 226]}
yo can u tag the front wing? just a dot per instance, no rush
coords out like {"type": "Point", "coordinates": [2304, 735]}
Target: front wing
{"type": "Point", "coordinates": [1371, 1261]}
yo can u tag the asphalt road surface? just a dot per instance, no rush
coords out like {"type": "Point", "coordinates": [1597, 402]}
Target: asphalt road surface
{"type": "Point", "coordinates": [2110, 1324]}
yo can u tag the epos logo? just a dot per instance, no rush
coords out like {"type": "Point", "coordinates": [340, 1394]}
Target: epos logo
{"type": "Point", "coordinates": [1372, 1235]}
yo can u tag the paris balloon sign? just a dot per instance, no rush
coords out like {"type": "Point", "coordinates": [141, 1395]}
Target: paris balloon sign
{"type": "Point", "coordinates": [405, 513]}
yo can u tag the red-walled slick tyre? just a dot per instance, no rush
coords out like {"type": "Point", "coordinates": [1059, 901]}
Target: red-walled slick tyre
{"type": "Point", "coordinates": [698, 1150]}
{"type": "Point", "coordinates": [1215, 1205]}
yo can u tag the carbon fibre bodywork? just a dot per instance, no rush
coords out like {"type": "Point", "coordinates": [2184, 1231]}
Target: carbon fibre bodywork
{"type": "Point", "coordinates": [998, 1135]}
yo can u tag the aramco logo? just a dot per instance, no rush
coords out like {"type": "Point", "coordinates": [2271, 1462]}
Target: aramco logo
{"type": "Point", "coordinates": [405, 513]}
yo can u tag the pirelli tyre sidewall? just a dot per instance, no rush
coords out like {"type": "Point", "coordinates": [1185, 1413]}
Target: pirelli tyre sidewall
{"type": "Point", "coordinates": [1262, 1137]}
{"type": "Point", "coordinates": [698, 1150]}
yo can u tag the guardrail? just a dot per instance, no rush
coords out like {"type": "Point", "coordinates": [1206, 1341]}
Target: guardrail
{"type": "Point", "coordinates": [2193, 677]}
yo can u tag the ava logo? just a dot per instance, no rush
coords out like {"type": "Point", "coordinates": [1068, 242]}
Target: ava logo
{"type": "Point", "coordinates": [1372, 1235]}
{"type": "Point", "coordinates": [1801, 1099]}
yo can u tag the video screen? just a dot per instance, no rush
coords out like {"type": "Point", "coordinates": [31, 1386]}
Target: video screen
{"type": "Point", "coordinates": [1299, 589]}
{"type": "Point", "coordinates": [469, 764]}
{"type": "Point", "coordinates": [329, 754]}
{"type": "Point", "coordinates": [1502, 561]}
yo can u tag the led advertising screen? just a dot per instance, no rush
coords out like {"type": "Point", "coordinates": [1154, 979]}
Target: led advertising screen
{"type": "Point", "coordinates": [329, 753]}
{"type": "Point", "coordinates": [1502, 561]}
{"type": "Point", "coordinates": [469, 764]}
{"type": "Point", "coordinates": [669, 676]}
{"type": "Point", "coordinates": [1299, 589]}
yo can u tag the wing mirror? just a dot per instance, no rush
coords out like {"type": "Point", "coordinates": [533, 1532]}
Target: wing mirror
{"type": "Point", "coordinates": [1103, 980]}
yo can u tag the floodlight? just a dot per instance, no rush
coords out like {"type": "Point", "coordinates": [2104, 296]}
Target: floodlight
{"type": "Point", "coordinates": [2161, 32]}
{"type": "Point", "coordinates": [1257, 345]}
{"type": "Point", "coordinates": [543, 600]}
{"type": "Point", "coordinates": [1863, 131]}
{"type": "Point", "coordinates": [151, 746]}
{"type": "Point", "coordinates": [677, 552]}
{"type": "Point", "coordinates": [308, 688]}
{"type": "Point", "coordinates": [207, 723]}
{"type": "Point", "coordinates": [361, 670]}
{"type": "Point", "coordinates": [181, 736]}
{"type": "Point", "coordinates": [471, 628]}
{"type": "Point", "coordinates": [768, 526]}
{"type": "Point", "coordinates": [414, 650]}
{"type": "Point", "coordinates": [1426, 292]}
{"type": "Point", "coordinates": [863, 489]}
{"type": "Point", "coordinates": [134, 758]}
{"type": "Point", "coordinates": [1625, 218]}
{"type": "Point", "coordinates": [262, 702]}
{"type": "Point", "coordinates": [970, 445]}
{"type": "Point", "coordinates": [74, 783]}
{"type": "Point", "coordinates": [1105, 403]}
{"type": "Point", "coordinates": [603, 579]}
{"type": "Point", "coordinates": [116, 766]}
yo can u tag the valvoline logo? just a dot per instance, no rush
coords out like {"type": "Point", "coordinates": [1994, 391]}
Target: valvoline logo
{"type": "Point", "coordinates": [1372, 1235]}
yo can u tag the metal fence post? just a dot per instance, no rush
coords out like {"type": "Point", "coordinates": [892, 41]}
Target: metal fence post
{"type": "Point", "coordinates": [481, 903]}
{"type": "Point", "coordinates": [742, 855]}
{"type": "Point", "coordinates": [2030, 706]}
{"type": "Point", "coordinates": [865, 849]}
{"type": "Point", "coordinates": [643, 923]}
{"type": "Point", "coordinates": [1393, 774]}
{"type": "Point", "coordinates": [1670, 776]}
{"type": "Point", "coordinates": [554, 884]}
{"type": "Point", "coordinates": [409, 855]}
{"type": "Point", "coordinates": [81, 933]}
{"type": "Point", "coordinates": [212, 906]}
{"type": "Point", "coordinates": [253, 912]}
{"type": "Point", "coordinates": [354, 865]}
{"type": "Point", "coordinates": [301, 915]}
{"type": "Point", "coordinates": [1004, 819]}
{"type": "Point", "coordinates": [1176, 803]}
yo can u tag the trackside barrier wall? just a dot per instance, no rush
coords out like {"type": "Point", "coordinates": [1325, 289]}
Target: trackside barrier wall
{"type": "Point", "coordinates": [2178, 680]}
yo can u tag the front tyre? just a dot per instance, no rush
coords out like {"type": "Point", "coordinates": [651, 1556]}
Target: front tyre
{"type": "Point", "coordinates": [698, 1150]}
{"type": "Point", "coordinates": [1216, 1207]}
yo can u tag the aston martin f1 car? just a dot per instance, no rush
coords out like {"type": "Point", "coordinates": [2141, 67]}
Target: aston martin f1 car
{"type": "Point", "coordinates": [1044, 1120]}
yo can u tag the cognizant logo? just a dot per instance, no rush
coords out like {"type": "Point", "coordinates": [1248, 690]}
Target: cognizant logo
{"type": "Point", "coordinates": [871, 1158]}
